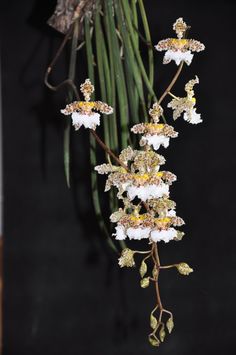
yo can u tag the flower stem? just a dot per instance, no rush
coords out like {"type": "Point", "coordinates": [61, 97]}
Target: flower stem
{"type": "Point", "coordinates": [142, 252]}
{"type": "Point", "coordinates": [156, 260]}
{"type": "Point", "coordinates": [172, 95]}
{"type": "Point", "coordinates": [168, 266]}
{"type": "Point", "coordinates": [172, 83]}
{"type": "Point", "coordinates": [107, 149]}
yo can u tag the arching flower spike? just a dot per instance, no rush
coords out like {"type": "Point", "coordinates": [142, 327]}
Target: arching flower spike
{"type": "Point", "coordinates": [179, 49]}
{"type": "Point", "coordinates": [82, 113]}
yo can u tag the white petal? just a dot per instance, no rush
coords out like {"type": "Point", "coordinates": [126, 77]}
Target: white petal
{"type": "Point", "coordinates": [156, 140]}
{"type": "Point", "coordinates": [165, 235]}
{"type": "Point", "coordinates": [178, 56]}
{"type": "Point", "coordinates": [138, 233]}
{"type": "Point", "coordinates": [88, 121]}
{"type": "Point", "coordinates": [147, 191]}
{"type": "Point", "coordinates": [193, 117]}
{"type": "Point", "coordinates": [120, 233]}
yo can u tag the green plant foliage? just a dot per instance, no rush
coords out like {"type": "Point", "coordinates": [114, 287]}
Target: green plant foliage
{"type": "Point", "coordinates": [112, 42]}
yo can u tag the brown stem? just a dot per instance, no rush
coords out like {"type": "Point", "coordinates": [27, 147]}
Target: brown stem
{"type": "Point", "coordinates": [168, 312]}
{"type": "Point", "coordinates": [168, 266]}
{"type": "Point", "coordinates": [60, 49]}
{"type": "Point", "coordinates": [173, 81]}
{"type": "Point", "coordinates": [156, 261]}
{"type": "Point", "coordinates": [156, 255]}
{"type": "Point", "coordinates": [68, 82]}
{"type": "Point", "coordinates": [108, 150]}
{"type": "Point", "coordinates": [52, 64]}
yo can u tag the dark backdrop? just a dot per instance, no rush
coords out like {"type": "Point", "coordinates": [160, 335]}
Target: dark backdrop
{"type": "Point", "coordinates": [63, 291]}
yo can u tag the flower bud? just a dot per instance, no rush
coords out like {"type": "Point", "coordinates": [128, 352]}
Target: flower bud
{"type": "Point", "coordinates": [144, 283]}
{"type": "Point", "coordinates": [184, 269]}
{"type": "Point", "coordinates": [127, 258]}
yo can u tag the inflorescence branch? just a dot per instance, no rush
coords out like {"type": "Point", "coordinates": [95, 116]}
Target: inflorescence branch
{"type": "Point", "coordinates": [137, 176]}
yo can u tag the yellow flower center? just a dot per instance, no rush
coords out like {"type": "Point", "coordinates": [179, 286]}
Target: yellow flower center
{"type": "Point", "coordinates": [138, 218]}
{"type": "Point", "coordinates": [85, 104]}
{"type": "Point", "coordinates": [141, 177]}
{"type": "Point", "coordinates": [159, 174]}
{"type": "Point", "coordinates": [163, 220]}
{"type": "Point", "coordinates": [145, 177]}
{"type": "Point", "coordinates": [156, 125]}
{"type": "Point", "coordinates": [179, 42]}
{"type": "Point", "coordinates": [142, 217]}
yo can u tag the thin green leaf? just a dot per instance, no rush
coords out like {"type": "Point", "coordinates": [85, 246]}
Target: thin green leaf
{"type": "Point", "coordinates": [150, 50]}
{"type": "Point", "coordinates": [119, 74]}
{"type": "Point", "coordinates": [148, 84]}
{"type": "Point", "coordinates": [133, 77]}
{"type": "Point", "coordinates": [112, 92]}
{"type": "Point", "coordinates": [71, 75]}
{"type": "Point", "coordinates": [105, 86]}
{"type": "Point", "coordinates": [95, 195]}
{"type": "Point", "coordinates": [101, 74]}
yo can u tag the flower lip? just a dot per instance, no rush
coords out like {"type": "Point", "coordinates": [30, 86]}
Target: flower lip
{"type": "Point", "coordinates": [88, 121]}
{"type": "Point", "coordinates": [192, 117]}
{"type": "Point", "coordinates": [163, 235]}
{"type": "Point", "coordinates": [178, 56]}
{"type": "Point", "coordinates": [143, 232]}
{"type": "Point", "coordinates": [156, 140]}
{"type": "Point", "coordinates": [147, 192]}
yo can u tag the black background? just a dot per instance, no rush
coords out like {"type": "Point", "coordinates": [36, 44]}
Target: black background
{"type": "Point", "coordinates": [63, 291]}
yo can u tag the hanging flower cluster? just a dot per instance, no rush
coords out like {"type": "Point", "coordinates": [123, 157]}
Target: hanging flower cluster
{"type": "Point", "coordinates": [179, 49]}
{"type": "Point", "coordinates": [82, 113]}
{"type": "Point", "coordinates": [147, 212]}
{"type": "Point", "coordinates": [143, 188]}
{"type": "Point", "coordinates": [145, 182]}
